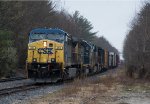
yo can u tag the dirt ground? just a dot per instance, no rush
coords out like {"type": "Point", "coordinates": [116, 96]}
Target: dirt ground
{"type": "Point", "coordinates": [110, 88]}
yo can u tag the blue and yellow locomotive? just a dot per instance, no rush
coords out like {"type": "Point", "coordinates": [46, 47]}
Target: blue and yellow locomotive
{"type": "Point", "coordinates": [55, 55]}
{"type": "Point", "coordinates": [46, 58]}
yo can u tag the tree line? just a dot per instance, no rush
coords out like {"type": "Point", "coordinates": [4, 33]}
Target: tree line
{"type": "Point", "coordinates": [137, 45]}
{"type": "Point", "coordinates": [18, 18]}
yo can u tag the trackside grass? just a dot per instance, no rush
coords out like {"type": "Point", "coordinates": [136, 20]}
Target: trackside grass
{"type": "Point", "coordinates": [110, 88]}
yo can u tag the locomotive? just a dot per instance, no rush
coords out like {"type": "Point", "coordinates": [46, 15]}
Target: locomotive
{"type": "Point", "coordinates": [55, 55]}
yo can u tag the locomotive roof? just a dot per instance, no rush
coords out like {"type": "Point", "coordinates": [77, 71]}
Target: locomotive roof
{"type": "Point", "coordinates": [48, 31]}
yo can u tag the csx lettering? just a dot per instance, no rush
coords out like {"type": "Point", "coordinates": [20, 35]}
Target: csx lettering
{"type": "Point", "coordinates": [45, 51]}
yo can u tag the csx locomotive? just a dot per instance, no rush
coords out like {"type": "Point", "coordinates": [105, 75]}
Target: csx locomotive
{"type": "Point", "coordinates": [53, 54]}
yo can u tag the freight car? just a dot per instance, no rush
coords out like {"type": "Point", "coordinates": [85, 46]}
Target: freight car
{"type": "Point", "coordinates": [55, 55]}
{"type": "Point", "coordinates": [113, 60]}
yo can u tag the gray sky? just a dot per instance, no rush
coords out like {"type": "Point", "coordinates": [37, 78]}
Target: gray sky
{"type": "Point", "coordinates": [111, 18]}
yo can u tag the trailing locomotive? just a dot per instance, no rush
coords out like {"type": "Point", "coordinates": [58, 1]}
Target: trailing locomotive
{"type": "Point", "coordinates": [55, 55]}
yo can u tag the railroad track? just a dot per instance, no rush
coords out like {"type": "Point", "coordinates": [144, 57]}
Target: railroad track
{"type": "Point", "coordinates": [12, 79]}
{"type": "Point", "coordinates": [8, 91]}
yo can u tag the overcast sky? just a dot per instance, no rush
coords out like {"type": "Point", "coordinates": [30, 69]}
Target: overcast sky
{"type": "Point", "coordinates": [111, 18]}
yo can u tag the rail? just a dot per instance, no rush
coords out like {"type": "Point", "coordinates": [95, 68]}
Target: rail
{"type": "Point", "coordinates": [12, 79]}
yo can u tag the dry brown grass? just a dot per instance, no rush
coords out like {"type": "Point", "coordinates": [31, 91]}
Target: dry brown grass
{"type": "Point", "coordinates": [97, 91]}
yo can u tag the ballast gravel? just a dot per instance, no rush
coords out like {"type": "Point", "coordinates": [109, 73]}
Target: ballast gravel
{"type": "Point", "coordinates": [23, 97]}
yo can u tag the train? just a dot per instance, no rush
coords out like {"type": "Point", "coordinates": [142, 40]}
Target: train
{"type": "Point", "coordinates": [54, 55]}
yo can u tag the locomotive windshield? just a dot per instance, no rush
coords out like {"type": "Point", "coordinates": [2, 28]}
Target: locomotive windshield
{"type": "Point", "coordinates": [37, 36]}
{"type": "Point", "coordinates": [55, 37]}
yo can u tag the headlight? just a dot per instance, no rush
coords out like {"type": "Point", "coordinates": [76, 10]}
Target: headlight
{"type": "Point", "coordinates": [61, 47]}
{"type": "Point", "coordinates": [32, 48]}
{"type": "Point", "coordinates": [34, 60]}
{"type": "Point", "coordinates": [45, 43]}
{"type": "Point", "coordinates": [53, 60]}
{"type": "Point", "coordinates": [49, 61]}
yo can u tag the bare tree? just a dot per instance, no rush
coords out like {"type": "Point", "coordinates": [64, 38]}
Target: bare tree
{"type": "Point", "coordinates": [136, 45]}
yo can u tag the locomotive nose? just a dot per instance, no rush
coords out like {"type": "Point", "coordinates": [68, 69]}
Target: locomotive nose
{"type": "Point", "coordinates": [45, 51]}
